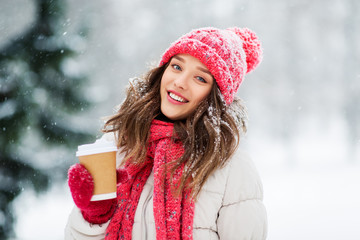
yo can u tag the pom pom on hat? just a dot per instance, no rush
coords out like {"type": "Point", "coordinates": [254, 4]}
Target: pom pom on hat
{"type": "Point", "coordinates": [228, 54]}
{"type": "Point", "coordinates": [251, 46]}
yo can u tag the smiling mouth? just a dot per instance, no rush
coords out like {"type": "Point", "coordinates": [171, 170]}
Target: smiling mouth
{"type": "Point", "coordinates": [177, 98]}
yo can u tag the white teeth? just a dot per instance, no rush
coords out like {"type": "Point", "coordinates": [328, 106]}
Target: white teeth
{"type": "Point", "coordinates": [176, 97]}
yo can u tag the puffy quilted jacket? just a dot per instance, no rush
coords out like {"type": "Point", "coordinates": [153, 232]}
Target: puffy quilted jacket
{"type": "Point", "coordinates": [228, 207]}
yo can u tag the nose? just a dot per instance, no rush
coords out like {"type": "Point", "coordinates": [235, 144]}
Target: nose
{"type": "Point", "coordinates": [181, 81]}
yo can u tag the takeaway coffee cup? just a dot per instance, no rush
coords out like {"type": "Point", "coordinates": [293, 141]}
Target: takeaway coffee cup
{"type": "Point", "coordinates": [99, 159]}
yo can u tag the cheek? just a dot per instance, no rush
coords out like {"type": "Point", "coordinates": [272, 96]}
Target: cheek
{"type": "Point", "coordinates": [166, 76]}
{"type": "Point", "coordinates": [162, 85]}
{"type": "Point", "coordinates": [202, 94]}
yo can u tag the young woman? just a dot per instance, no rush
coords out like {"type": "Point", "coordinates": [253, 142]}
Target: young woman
{"type": "Point", "coordinates": [181, 175]}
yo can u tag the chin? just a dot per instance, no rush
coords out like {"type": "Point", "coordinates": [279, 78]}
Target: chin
{"type": "Point", "coordinates": [171, 117]}
{"type": "Point", "coordinates": [166, 114]}
{"type": "Point", "coordinates": [172, 114]}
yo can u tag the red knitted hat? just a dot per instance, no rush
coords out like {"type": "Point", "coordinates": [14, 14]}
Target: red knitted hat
{"type": "Point", "coordinates": [228, 54]}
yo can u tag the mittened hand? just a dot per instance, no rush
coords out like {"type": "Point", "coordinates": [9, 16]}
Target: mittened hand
{"type": "Point", "coordinates": [81, 187]}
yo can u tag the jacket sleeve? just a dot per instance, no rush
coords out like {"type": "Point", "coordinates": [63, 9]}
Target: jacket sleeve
{"type": "Point", "coordinates": [77, 228]}
{"type": "Point", "coordinates": [242, 215]}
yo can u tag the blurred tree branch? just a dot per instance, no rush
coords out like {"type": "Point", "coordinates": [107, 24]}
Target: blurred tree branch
{"type": "Point", "coordinates": [37, 94]}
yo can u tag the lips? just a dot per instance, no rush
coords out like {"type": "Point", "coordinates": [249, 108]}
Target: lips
{"type": "Point", "coordinates": [177, 97]}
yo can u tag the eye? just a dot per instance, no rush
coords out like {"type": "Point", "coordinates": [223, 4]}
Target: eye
{"type": "Point", "coordinates": [176, 67]}
{"type": "Point", "coordinates": [201, 79]}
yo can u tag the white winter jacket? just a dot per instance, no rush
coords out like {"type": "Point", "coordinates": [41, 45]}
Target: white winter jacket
{"type": "Point", "coordinates": [228, 207]}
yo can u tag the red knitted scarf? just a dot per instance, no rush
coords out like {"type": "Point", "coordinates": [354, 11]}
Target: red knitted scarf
{"type": "Point", "coordinates": [173, 215]}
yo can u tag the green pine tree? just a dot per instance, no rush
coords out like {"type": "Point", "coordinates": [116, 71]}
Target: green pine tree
{"type": "Point", "coordinates": [37, 98]}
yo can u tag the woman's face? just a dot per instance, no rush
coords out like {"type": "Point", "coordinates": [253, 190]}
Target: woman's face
{"type": "Point", "coordinates": [184, 84]}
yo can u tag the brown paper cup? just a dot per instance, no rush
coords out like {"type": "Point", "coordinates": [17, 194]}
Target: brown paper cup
{"type": "Point", "coordinates": [100, 160]}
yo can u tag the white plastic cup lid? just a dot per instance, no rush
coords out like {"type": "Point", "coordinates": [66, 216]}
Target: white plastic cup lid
{"type": "Point", "coordinates": [99, 146]}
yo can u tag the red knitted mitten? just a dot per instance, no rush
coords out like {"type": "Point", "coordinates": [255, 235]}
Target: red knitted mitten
{"type": "Point", "coordinates": [81, 187]}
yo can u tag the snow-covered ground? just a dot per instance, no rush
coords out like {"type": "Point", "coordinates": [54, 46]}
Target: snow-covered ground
{"type": "Point", "coordinates": [318, 203]}
{"type": "Point", "coordinates": [43, 217]}
{"type": "Point", "coordinates": [311, 185]}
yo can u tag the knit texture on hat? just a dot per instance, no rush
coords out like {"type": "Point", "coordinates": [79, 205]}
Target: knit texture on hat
{"type": "Point", "coordinates": [173, 215]}
{"type": "Point", "coordinates": [228, 54]}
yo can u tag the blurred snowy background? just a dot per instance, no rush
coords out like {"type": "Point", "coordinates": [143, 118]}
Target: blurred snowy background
{"type": "Point", "coordinates": [303, 101]}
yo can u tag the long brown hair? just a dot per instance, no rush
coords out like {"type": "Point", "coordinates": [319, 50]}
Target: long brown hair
{"type": "Point", "coordinates": [210, 135]}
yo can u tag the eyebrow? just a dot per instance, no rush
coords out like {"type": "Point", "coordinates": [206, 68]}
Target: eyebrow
{"type": "Point", "coordinates": [200, 68]}
{"type": "Point", "coordinates": [204, 70]}
{"type": "Point", "coordinates": [179, 58]}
